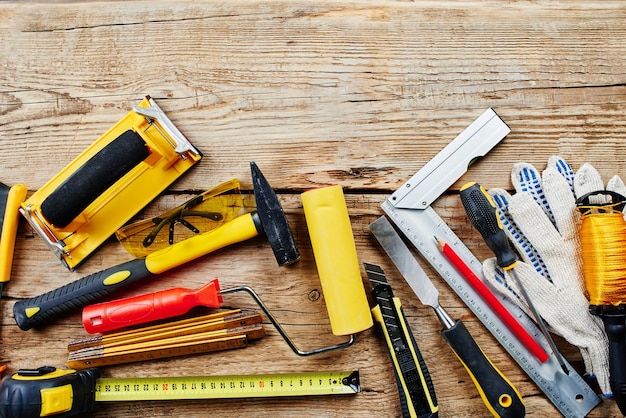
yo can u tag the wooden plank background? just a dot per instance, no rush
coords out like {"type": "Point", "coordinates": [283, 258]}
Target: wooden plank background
{"type": "Point", "coordinates": [357, 93]}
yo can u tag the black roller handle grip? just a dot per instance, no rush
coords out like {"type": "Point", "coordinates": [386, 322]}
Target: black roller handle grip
{"type": "Point", "coordinates": [45, 308]}
{"type": "Point", "coordinates": [99, 173]}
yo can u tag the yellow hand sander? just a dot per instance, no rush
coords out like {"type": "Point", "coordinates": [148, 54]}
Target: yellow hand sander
{"type": "Point", "coordinates": [110, 182]}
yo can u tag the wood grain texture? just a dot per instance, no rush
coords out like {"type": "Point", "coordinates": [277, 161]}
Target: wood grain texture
{"type": "Point", "coordinates": [358, 93]}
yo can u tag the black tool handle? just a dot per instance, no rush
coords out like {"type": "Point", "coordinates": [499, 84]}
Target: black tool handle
{"type": "Point", "coordinates": [93, 178]}
{"type": "Point", "coordinates": [429, 404]}
{"type": "Point", "coordinates": [615, 326]}
{"type": "Point", "coordinates": [44, 308]}
{"type": "Point", "coordinates": [482, 213]}
{"type": "Point", "coordinates": [498, 393]}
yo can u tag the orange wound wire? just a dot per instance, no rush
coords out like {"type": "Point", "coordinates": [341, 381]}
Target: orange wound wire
{"type": "Point", "coordinates": [603, 245]}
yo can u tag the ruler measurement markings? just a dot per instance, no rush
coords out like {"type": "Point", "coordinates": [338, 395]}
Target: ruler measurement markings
{"type": "Point", "coordinates": [428, 223]}
{"type": "Point", "coordinates": [230, 386]}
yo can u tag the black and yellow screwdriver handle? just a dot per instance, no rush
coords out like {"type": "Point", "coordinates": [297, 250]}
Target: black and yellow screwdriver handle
{"type": "Point", "coordinates": [482, 213]}
{"type": "Point", "coordinates": [498, 393]}
{"type": "Point", "coordinates": [48, 391]}
{"type": "Point", "coordinates": [47, 307]}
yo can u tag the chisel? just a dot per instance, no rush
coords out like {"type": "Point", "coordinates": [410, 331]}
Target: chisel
{"type": "Point", "coordinates": [498, 393]}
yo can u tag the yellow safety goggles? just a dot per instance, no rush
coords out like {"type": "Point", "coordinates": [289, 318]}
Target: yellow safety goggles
{"type": "Point", "coordinates": [202, 213]}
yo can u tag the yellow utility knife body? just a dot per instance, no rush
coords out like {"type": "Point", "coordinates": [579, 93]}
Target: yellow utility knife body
{"type": "Point", "coordinates": [415, 387]}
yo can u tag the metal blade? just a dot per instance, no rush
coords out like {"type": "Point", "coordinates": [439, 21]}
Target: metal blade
{"type": "Point", "coordinates": [402, 257]}
{"type": "Point", "coordinates": [375, 275]}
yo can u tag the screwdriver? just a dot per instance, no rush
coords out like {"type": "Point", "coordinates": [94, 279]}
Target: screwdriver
{"type": "Point", "coordinates": [482, 213]}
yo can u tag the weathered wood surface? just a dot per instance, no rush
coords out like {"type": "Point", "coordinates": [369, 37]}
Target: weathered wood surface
{"type": "Point", "coordinates": [361, 94]}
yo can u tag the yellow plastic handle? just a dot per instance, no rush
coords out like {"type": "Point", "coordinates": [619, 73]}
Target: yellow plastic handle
{"type": "Point", "coordinates": [337, 263]}
{"type": "Point", "coordinates": [16, 195]}
{"type": "Point", "coordinates": [237, 230]}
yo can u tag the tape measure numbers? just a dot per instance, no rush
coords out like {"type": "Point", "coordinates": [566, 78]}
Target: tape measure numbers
{"type": "Point", "coordinates": [48, 391]}
{"type": "Point", "coordinates": [569, 393]}
{"type": "Point", "coordinates": [228, 386]}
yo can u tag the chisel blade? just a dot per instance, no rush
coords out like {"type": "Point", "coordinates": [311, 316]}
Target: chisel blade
{"type": "Point", "coordinates": [405, 262]}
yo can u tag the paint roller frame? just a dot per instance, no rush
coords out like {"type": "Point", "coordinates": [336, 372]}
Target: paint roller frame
{"type": "Point", "coordinates": [334, 249]}
{"type": "Point", "coordinates": [159, 154]}
{"type": "Point", "coordinates": [332, 263]}
{"type": "Point", "coordinates": [281, 330]}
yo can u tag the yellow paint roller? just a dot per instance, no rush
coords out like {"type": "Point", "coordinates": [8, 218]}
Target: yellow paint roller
{"type": "Point", "coordinates": [337, 263]}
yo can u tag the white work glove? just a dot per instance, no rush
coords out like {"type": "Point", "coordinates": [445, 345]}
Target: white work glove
{"type": "Point", "coordinates": [542, 222]}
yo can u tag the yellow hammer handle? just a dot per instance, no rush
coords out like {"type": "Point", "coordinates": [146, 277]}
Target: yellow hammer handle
{"type": "Point", "coordinates": [237, 230]}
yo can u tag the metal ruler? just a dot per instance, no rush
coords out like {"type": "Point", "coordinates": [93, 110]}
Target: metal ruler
{"type": "Point", "coordinates": [409, 209]}
{"type": "Point", "coordinates": [227, 386]}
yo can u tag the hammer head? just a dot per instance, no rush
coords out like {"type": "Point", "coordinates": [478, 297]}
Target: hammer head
{"type": "Point", "coordinates": [273, 220]}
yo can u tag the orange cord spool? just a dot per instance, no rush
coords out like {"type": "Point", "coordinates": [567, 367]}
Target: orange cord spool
{"type": "Point", "coordinates": [603, 248]}
{"type": "Point", "coordinates": [603, 244]}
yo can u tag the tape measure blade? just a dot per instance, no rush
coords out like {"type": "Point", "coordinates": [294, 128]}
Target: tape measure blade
{"type": "Point", "coordinates": [228, 386]}
{"type": "Point", "coordinates": [569, 393]}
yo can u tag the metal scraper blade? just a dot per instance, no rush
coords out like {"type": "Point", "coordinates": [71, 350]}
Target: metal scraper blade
{"type": "Point", "coordinates": [404, 261]}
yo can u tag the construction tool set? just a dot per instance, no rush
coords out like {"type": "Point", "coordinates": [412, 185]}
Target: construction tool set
{"type": "Point", "coordinates": [98, 193]}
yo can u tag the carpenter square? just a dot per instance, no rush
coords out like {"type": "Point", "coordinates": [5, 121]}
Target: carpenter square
{"type": "Point", "coordinates": [409, 209]}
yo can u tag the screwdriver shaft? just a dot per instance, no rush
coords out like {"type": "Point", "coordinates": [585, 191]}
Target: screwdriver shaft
{"type": "Point", "coordinates": [539, 321]}
{"type": "Point", "coordinates": [482, 213]}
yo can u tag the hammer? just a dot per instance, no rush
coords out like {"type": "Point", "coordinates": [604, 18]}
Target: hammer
{"type": "Point", "coordinates": [269, 219]}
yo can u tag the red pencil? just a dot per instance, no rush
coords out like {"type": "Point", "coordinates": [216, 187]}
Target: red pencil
{"type": "Point", "coordinates": [522, 335]}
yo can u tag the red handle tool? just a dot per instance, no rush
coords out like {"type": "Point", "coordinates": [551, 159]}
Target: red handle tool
{"type": "Point", "coordinates": [121, 313]}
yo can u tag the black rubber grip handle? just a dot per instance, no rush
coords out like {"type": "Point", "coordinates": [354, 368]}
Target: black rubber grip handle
{"type": "Point", "coordinates": [93, 178]}
{"type": "Point", "coordinates": [615, 326]}
{"type": "Point", "coordinates": [498, 394]}
{"type": "Point", "coordinates": [482, 213]}
{"type": "Point", "coordinates": [425, 411]}
{"type": "Point", "coordinates": [47, 307]}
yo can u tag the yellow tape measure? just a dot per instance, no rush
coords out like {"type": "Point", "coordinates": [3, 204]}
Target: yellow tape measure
{"type": "Point", "coordinates": [228, 386]}
{"type": "Point", "coordinates": [47, 391]}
